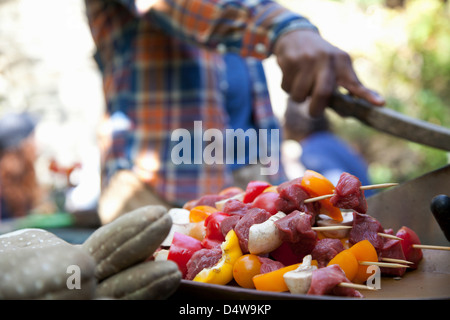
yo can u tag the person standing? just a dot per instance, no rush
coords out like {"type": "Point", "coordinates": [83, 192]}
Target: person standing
{"type": "Point", "coordinates": [19, 188]}
{"type": "Point", "coordinates": [163, 68]}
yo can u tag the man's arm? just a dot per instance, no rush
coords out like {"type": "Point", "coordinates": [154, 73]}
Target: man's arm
{"type": "Point", "coordinates": [311, 66]}
{"type": "Point", "coordinates": [248, 27]}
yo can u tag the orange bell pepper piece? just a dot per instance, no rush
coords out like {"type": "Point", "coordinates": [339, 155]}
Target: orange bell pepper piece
{"type": "Point", "coordinates": [363, 251]}
{"type": "Point", "coordinates": [317, 185]}
{"type": "Point", "coordinates": [273, 281]}
{"type": "Point", "coordinates": [328, 209]}
{"type": "Point", "coordinates": [348, 263]}
{"type": "Point", "coordinates": [200, 213]}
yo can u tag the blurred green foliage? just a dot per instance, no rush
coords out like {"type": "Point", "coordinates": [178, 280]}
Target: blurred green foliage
{"type": "Point", "coordinates": [410, 67]}
{"type": "Point", "coordinates": [423, 66]}
{"type": "Point", "coordinates": [416, 81]}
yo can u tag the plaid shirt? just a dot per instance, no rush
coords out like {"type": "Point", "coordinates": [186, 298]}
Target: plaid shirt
{"type": "Point", "coordinates": [162, 70]}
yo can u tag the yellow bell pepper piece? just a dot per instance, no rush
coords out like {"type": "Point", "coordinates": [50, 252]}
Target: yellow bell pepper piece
{"type": "Point", "coordinates": [222, 271]}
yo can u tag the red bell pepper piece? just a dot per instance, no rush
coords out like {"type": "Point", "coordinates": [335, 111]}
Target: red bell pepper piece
{"type": "Point", "coordinates": [213, 235]}
{"type": "Point", "coordinates": [267, 201]}
{"type": "Point", "coordinates": [254, 189]}
{"type": "Point", "coordinates": [182, 249]}
{"type": "Point", "coordinates": [409, 238]}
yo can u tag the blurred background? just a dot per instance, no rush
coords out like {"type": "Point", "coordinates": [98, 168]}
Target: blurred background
{"type": "Point", "coordinates": [400, 49]}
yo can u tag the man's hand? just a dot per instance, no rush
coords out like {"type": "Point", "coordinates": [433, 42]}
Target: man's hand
{"type": "Point", "coordinates": [313, 67]}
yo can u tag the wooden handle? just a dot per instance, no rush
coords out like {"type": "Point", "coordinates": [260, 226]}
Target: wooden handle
{"type": "Point", "coordinates": [392, 122]}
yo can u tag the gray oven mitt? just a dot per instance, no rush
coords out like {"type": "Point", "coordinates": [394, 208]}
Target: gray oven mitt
{"type": "Point", "coordinates": [111, 263]}
{"type": "Point", "coordinates": [36, 264]}
{"type": "Point", "coordinates": [121, 249]}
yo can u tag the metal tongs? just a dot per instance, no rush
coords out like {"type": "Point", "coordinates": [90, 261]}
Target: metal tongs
{"type": "Point", "coordinates": [391, 122]}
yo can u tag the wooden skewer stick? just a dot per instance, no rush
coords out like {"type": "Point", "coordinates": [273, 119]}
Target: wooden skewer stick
{"type": "Point", "coordinates": [379, 186]}
{"type": "Point", "coordinates": [385, 235]}
{"type": "Point", "coordinates": [396, 260]}
{"type": "Point", "coordinates": [331, 228]}
{"type": "Point", "coordinates": [326, 196]}
{"type": "Point", "coordinates": [356, 286]}
{"type": "Point", "coordinates": [390, 236]}
{"type": "Point", "coordinates": [383, 264]}
{"type": "Point", "coordinates": [425, 246]}
{"type": "Point", "coordinates": [368, 187]}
